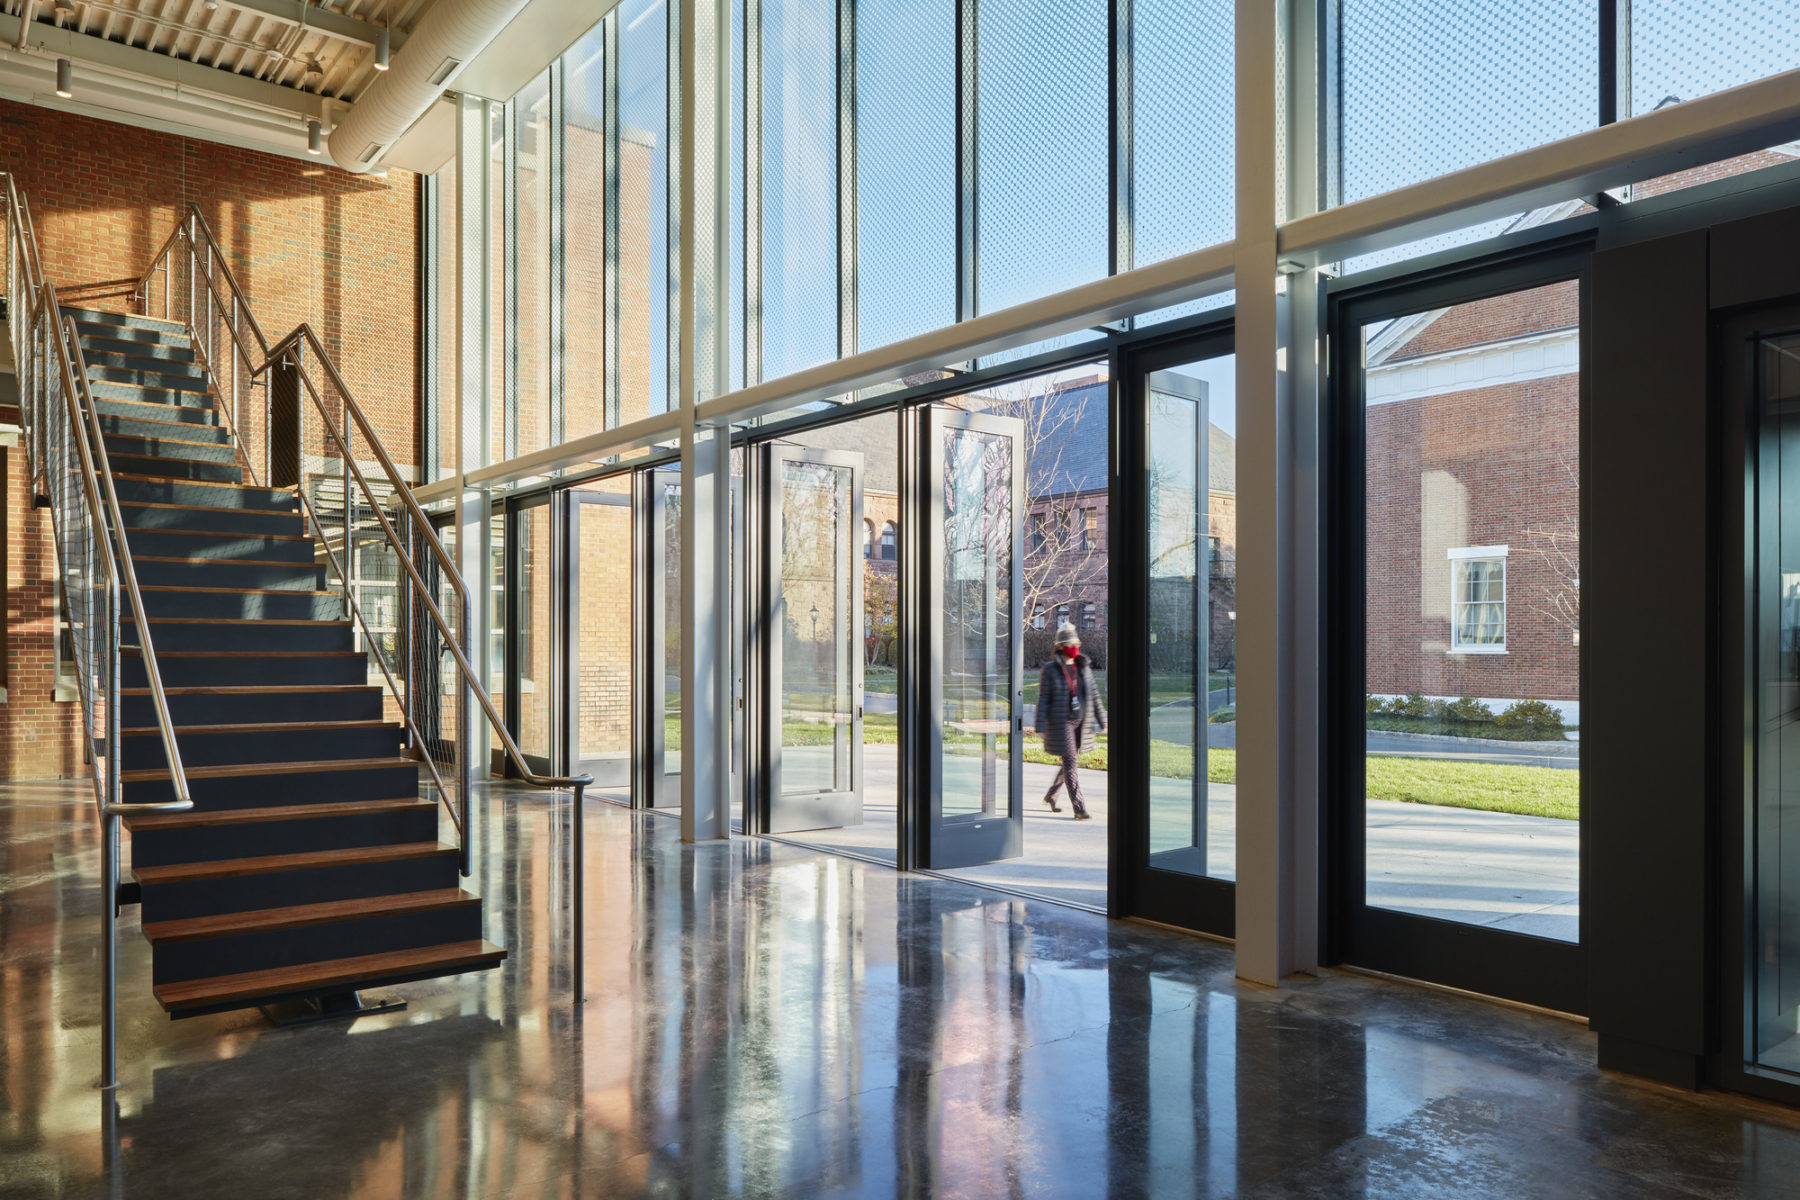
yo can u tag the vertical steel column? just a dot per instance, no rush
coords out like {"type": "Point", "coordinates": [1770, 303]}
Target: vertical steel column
{"type": "Point", "coordinates": [556, 165]}
{"type": "Point", "coordinates": [968, 75]}
{"type": "Point", "coordinates": [611, 405]}
{"type": "Point", "coordinates": [752, 93]}
{"type": "Point", "coordinates": [1265, 840]}
{"type": "Point", "coordinates": [846, 177]}
{"type": "Point", "coordinates": [474, 366]}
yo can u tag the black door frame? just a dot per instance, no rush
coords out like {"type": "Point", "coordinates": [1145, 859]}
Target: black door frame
{"type": "Point", "coordinates": [572, 502]}
{"type": "Point", "coordinates": [1736, 375]}
{"type": "Point", "coordinates": [513, 510]}
{"type": "Point", "coordinates": [1135, 887]}
{"type": "Point", "coordinates": [1522, 967]}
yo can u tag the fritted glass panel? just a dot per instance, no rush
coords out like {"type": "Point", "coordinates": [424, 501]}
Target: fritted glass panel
{"type": "Point", "coordinates": [446, 309]}
{"type": "Point", "coordinates": [1182, 133]}
{"type": "Point", "coordinates": [1472, 576]}
{"type": "Point", "coordinates": [584, 237]}
{"type": "Point", "coordinates": [906, 168]}
{"type": "Point", "coordinates": [499, 226]}
{"type": "Point", "coordinates": [1430, 88]}
{"type": "Point", "coordinates": [1680, 50]}
{"type": "Point", "coordinates": [1041, 208]}
{"type": "Point", "coordinates": [1192, 628]}
{"type": "Point", "coordinates": [528, 390]}
{"type": "Point", "coordinates": [799, 185]}
{"type": "Point", "coordinates": [644, 288]}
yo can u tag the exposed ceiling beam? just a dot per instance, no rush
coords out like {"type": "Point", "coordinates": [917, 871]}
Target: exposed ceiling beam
{"type": "Point", "coordinates": [321, 20]}
{"type": "Point", "coordinates": [83, 49]}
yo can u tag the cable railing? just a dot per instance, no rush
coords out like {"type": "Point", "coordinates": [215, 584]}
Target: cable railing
{"type": "Point", "coordinates": [69, 470]}
{"type": "Point", "coordinates": [399, 587]}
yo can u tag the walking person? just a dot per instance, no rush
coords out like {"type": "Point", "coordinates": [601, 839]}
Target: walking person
{"type": "Point", "coordinates": [1068, 714]}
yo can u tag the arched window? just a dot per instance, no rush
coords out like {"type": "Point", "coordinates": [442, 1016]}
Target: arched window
{"type": "Point", "coordinates": [868, 538]}
{"type": "Point", "coordinates": [890, 541]}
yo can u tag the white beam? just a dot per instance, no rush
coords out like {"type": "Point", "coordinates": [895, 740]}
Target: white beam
{"type": "Point", "coordinates": [317, 20]}
{"type": "Point", "coordinates": [1739, 120]}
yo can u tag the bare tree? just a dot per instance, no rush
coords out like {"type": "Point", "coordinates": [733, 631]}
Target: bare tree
{"type": "Point", "coordinates": [1557, 545]}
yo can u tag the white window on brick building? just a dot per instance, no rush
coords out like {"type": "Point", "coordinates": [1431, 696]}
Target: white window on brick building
{"type": "Point", "coordinates": [1478, 600]}
{"type": "Point", "coordinates": [1037, 617]}
{"type": "Point", "coordinates": [890, 541]}
{"type": "Point", "coordinates": [868, 538]}
{"type": "Point", "coordinates": [1090, 615]}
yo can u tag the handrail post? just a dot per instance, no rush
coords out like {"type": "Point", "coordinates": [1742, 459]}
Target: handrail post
{"type": "Point", "coordinates": [403, 630]}
{"type": "Point", "coordinates": [109, 853]}
{"type": "Point", "coordinates": [464, 744]}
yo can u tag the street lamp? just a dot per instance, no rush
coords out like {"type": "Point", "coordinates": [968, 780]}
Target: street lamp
{"type": "Point", "coordinates": [815, 620]}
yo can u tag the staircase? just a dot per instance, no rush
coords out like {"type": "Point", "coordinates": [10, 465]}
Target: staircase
{"type": "Point", "coordinates": [310, 865]}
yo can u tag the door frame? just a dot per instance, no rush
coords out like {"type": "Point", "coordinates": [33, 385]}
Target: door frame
{"type": "Point", "coordinates": [649, 786]}
{"type": "Point", "coordinates": [1515, 966]}
{"type": "Point", "coordinates": [764, 660]}
{"type": "Point", "coordinates": [962, 842]}
{"type": "Point", "coordinates": [572, 501]}
{"type": "Point", "coordinates": [1136, 888]}
{"type": "Point", "coordinates": [512, 509]}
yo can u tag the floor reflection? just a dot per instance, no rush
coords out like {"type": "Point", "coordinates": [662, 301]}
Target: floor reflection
{"type": "Point", "coordinates": [764, 1020]}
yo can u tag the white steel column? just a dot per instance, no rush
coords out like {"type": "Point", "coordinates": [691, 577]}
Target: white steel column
{"type": "Point", "coordinates": [474, 381]}
{"type": "Point", "coordinates": [705, 450]}
{"type": "Point", "coordinates": [1265, 788]}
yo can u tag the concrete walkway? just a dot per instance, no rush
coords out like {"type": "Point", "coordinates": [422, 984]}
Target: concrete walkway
{"type": "Point", "coordinates": [1509, 872]}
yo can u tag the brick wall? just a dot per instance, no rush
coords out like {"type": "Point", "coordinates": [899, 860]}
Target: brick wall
{"type": "Point", "coordinates": [307, 241]}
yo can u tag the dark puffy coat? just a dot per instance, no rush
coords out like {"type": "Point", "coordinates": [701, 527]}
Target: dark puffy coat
{"type": "Point", "coordinates": [1053, 707]}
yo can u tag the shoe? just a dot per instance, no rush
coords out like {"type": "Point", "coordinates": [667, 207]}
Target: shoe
{"type": "Point", "coordinates": [1083, 816]}
{"type": "Point", "coordinates": [1052, 804]}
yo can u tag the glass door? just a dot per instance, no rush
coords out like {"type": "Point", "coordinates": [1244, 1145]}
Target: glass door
{"type": "Point", "coordinates": [658, 508]}
{"type": "Point", "coordinates": [1457, 785]}
{"type": "Point", "coordinates": [530, 630]}
{"type": "Point", "coordinates": [973, 561]}
{"type": "Point", "coordinates": [1179, 441]}
{"type": "Point", "coordinates": [810, 620]}
{"type": "Point", "coordinates": [598, 675]}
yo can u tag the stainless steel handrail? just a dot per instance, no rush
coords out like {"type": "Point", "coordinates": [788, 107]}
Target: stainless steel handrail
{"type": "Point", "coordinates": [47, 350]}
{"type": "Point", "coordinates": [293, 350]}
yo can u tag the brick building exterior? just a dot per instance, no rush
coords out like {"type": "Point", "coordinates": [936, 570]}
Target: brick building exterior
{"type": "Point", "coordinates": [307, 241]}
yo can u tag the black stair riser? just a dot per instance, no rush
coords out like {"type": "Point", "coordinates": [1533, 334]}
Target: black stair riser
{"type": "Point", "coordinates": [220, 546]}
{"type": "Point", "coordinates": [272, 791]}
{"type": "Point", "coordinates": [211, 843]}
{"type": "Point", "coordinates": [208, 671]}
{"type": "Point", "coordinates": [245, 606]}
{"type": "Point", "coordinates": [175, 962]}
{"type": "Point", "coordinates": [168, 448]}
{"type": "Point", "coordinates": [163, 381]}
{"type": "Point", "coordinates": [211, 708]}
{"type": "Point", "coordinates": [224, 520]}
{"type": "Point", "coordinates": [101, 344]}
{"type": "Point", "coordinates": [280, 889]}
{"type": "Point", "coordinates": [271, 746]}
{"type": "Point", "coordinates": [123, 356]}
{"type": "Point", "coordinates": [146, 400]}
{"type": "Point", "coordinates": [147, 427]}
{"type": "Point", "coordinates": [174, 491]}
{"type": "Point", "coordinates": [228, 574]}
{"type": "Point", "coordinates": [206, 636]}
{"type": "Point", "coordinates": [203, 416]}
{"type": "Point", "coordinates": [130, 322]}
{"type": "Point", "coordinates": [177, 468]}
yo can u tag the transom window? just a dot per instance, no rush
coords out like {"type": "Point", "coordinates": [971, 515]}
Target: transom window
{"type": "Point", "coordinates": [1478, 600]}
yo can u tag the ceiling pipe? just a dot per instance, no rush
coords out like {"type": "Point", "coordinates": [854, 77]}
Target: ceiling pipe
{"type": "Point", "coordinates": [451, 33]}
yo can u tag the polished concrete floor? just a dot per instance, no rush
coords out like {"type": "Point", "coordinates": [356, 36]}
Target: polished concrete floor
{"type": "Point", "coordinates": [764, 1020]}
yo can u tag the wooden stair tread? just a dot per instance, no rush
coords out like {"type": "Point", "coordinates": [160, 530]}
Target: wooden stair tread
{"type": "Point", "coordinates": [205, 508]}
{"type": "Point", "coordinates": [252, 689]}
{"type": "Point", "coordinates": [132, 617]}
{"type": "Point", "coordinates": [230, 533]}
{"type": "Point", "coordinates": [234, 591]}
{"type": "Point", "coordinates": [449, 958]}
{"type": "Point", "coordinates": [234, 562]}
{"type": "Point", "coordinates": [269, 864]}
{"type": "Point", "coordinates": [164, 654]}
{"type": "Point", "coordinates": [149, 403]}
{"type": "Point", "coordinates": [234, 770]}
{"type": "Point", "coordinates": [218, 483]}
{"type": "Point", "coordinates": [297, 916]}
{"type": "Point", "coordinates": [156, 421]}
{"type": "Point", "coordinates": [142, 822]}
{"type": "Point", "coordinates": [163, 440]}
{"type": "Point", "coordinates": [261, 727]}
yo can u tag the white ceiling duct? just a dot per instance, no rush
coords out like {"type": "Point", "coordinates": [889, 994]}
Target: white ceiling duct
{"type": "Point", "coordinates": [449, 34]}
